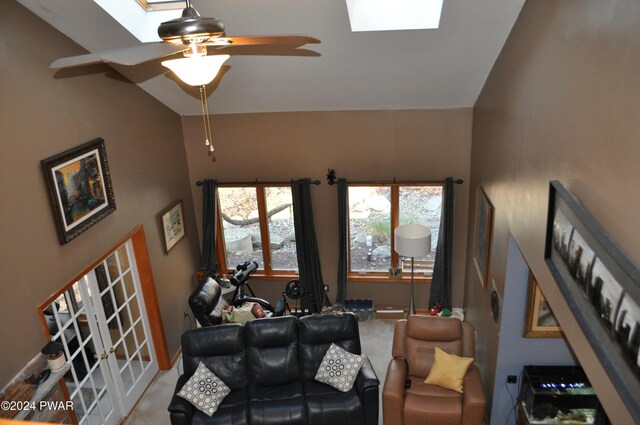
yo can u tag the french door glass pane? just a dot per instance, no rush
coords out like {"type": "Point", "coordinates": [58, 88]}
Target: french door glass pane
{"type": "Point", "coordinates": [370, 228]}
{"type": "Point", "coordinates": [241, 228]}
{"type": "Point", "coordinates": [282, 236]}
{"type": "Point", "coordinates": [421, 205]}
{"type": "Point", "coordinates": [128, 333]}
{"type": "Point", "coordinates": [67, 322]}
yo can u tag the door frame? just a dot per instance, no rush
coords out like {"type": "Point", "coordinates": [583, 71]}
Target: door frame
{"type": "Point", "coordinates": [147, 284]}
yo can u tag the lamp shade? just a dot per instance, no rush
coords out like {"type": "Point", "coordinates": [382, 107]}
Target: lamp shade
{"type": "Point", "coordinates": [196, 70]}
{"type": "Point", "coordinates": [412, 240]}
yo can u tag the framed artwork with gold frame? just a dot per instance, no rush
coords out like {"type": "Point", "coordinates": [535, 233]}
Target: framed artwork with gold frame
{"type": "Point", "coordinates": [482, 240]}
{"type": "Point", "coordinates": [539, 319]}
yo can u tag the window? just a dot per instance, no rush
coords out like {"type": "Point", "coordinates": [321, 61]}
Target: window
{"type": "Point", "coordinates": [162, 4]}
{"type": "Point", "coordinates": [256, 224]}
{"type": "Point", "coordinates": [374, 211]}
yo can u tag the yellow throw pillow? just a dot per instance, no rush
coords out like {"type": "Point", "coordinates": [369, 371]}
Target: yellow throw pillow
{"type": "Point", "coordinates": [448, 370]}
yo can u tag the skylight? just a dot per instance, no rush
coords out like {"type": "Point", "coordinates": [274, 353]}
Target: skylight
{"type": "Point", "coordinates": [162, 4]}
{"type": "Point", "coordinates": [142, 23]}
{"type": "Point", "coordinates": [389, 15]}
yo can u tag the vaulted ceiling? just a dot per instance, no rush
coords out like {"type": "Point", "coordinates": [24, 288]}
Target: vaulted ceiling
{"type": "Point", "coordinates": [416, 69]}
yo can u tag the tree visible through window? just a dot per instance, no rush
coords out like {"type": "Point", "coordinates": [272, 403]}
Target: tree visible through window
{"type": "Point", "coordinates": [375, 210]}
{"type": "Point", "coordinates": [257, 225]}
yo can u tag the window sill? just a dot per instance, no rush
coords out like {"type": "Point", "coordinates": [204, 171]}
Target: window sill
{"type": "Point", "coordinates": [355, 277]}
{"type": "Point", "coordinates": [275, 276]}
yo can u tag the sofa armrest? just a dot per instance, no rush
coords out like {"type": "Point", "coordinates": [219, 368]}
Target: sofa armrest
{"type": "Point", "coordinates": [473, 398]}
{"type": "Point", "coordinates": [393, 392]}
{"type": "Point", "coordinates": [180, 409]}
{"type": "Point", "coordinates": [367, 386]}
{"type": "Point", "coordinates": [367, 377]}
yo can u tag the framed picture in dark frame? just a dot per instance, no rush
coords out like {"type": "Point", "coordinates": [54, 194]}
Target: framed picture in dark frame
{"type": "Point", "coordinates": [80, 189]}
{"type": "Point", "coordinates": [482, 240]}
{"type": "Point", "coordinates": [173, 225]}
{"type": "Point", "coordinates": [601, 286]}
{"type": "Point", "coordinates": [539, 319]}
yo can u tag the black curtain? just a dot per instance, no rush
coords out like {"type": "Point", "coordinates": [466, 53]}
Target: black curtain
{"type": "Point", "coordinates": [440, 292]}
{"type": "Point", "coordinates": [307, 246]}
{"type": "Point", "coordinates": [208, 263]}
{"type": "Point", "coordinates": [343, 242]}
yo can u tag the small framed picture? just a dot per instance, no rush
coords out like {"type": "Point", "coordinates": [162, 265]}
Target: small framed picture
{"type": "Point", "coordinates": [173, 225]}
{"type": "Point", "coordinates": [80, 190]}
{"type": "Point", "coordinates": [483, 230]}
{"type": "Point", "coordinates": [539, 320]}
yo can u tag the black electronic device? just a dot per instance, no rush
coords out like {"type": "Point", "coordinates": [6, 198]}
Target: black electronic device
{"type": "Point", "coordinates": [546, 389]}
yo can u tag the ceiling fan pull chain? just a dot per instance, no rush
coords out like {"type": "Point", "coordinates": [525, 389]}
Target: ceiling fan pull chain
{"type": "Point", "coordinates": [205, 118]}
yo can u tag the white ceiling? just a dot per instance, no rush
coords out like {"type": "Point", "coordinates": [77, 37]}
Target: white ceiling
{"type": "Point", "coordinates": [419, 69]}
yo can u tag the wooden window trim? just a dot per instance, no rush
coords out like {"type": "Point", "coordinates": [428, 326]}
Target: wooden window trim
{"type": "Point", "coordinates": [362, 276]}
{"type": "Point", "coordinates": [262, 274]}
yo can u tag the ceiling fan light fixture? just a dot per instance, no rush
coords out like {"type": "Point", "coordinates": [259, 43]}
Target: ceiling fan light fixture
{"type": "Point", "coordinates": [196, 70]}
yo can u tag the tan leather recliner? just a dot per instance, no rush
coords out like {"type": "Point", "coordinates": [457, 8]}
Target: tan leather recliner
{"type": "Point", "coordinates": [414, 342]}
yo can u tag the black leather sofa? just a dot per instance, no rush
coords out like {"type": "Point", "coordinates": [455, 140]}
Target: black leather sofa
{"type": "Point", "coordinates": [270, 366]}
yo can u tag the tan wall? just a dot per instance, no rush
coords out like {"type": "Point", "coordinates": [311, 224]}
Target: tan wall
{"type": "Point", "coordinates": [362, 145]}
{"type": "Point", "coordinates": [44, 114]}
{"type": "Point", "coordinates": [561, 103]}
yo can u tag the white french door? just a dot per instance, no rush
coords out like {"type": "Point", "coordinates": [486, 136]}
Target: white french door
{"type": "Point", "coordinates": [103, 325]}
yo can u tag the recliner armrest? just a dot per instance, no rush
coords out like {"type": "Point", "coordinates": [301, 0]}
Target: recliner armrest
{"type": "Point", "coordinates": [473, 398]}
{"type": "Point", "coordinates": [180, 409]}
{"type": "Point", "coordinates": [367, 386]}
{"type": "Point", "coordinates": [367, 377]}
{"type": "Point", "coordinates": [393, 391]}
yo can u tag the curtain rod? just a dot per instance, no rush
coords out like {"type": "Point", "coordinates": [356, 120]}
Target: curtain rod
{"type": "Point", "coordinates": [316, 182]}
{"type": "Point", "coordinates": [394, 181]}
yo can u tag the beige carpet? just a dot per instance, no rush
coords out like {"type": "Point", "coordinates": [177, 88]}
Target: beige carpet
{"type": "Point", "coordinates": [376, 337]}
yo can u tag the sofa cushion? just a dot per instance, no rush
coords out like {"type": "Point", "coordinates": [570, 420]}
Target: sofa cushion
{"type": "Point", "coordinates": [221, 348]}
{"type": "Point", "coordinates": [339, 368]}
{"type": "Point", "coordinates": [442, 406]}
{"type": "Point", "coordinates": [272, 350]}
{"type": "Point", "coordinates": [204, 390]}
{"type": "Point", "coordinates": [282, 404]}
{"type": "Point", "coordinates": [326, 405]}
{"type": "Point", "coordinates": [318, 332]}
{"type": "Point", "coordinates": [232, 411]}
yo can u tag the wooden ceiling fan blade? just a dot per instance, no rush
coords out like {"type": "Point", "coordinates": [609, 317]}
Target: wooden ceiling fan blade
{"type": "Point", "coordinates": [265, 50]}
{"type": "Point", "coordinates": [293, 39]}
{"type": "Point", "coordinates": [139, 54]}
{"type": "Point", "coordinates": [88, 59]}
{"type": "Point", "coordinates": [127, 56]}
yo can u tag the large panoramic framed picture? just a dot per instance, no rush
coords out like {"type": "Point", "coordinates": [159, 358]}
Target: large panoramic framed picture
{"type": "Point", "coordinates": [601, 286]}
{"type": "Point", "coordinates": [80, 188]}
{"type": "Point", "coordinates": [483, 230]}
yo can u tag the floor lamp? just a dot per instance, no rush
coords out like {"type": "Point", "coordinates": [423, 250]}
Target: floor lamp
{"type": "Point", "coordinates": [412, 240]}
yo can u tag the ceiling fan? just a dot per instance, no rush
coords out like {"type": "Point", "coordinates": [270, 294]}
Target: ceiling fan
{"type": "Point", "coordinates": [191, 35]}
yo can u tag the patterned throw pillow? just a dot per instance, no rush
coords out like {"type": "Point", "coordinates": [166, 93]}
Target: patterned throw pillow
{"type": "Point", "coordinates": [204, 390]}
{"type": "Point", "coordinates": [339, 368]}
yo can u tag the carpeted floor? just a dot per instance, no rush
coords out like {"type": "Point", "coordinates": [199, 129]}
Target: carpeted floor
{"type": "Point", "coordinates": [376, 337]}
